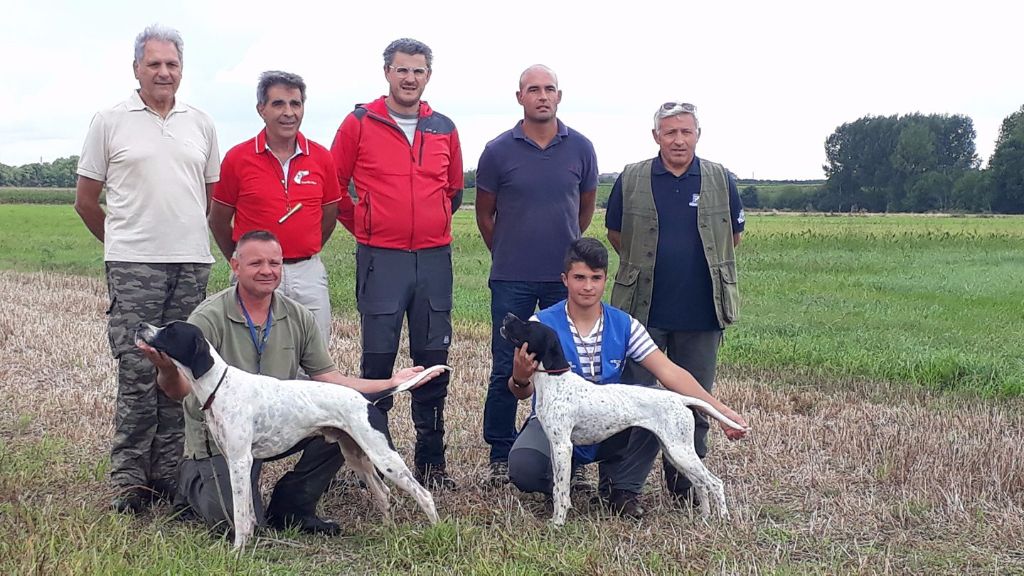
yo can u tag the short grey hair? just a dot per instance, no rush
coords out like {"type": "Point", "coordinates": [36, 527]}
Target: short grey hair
{"type": "Point", "coordinates": [538, 67]}
{"type": "Point", "coordinates": [670, 109]}
{"type": "Point", "coordinates": [277, 78]}
{"type": "Point", "coordinates": [160, 34]}
{"type": "Point", "coordinates": [408, 46]}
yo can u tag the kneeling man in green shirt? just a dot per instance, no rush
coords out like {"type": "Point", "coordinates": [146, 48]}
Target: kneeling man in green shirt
{"type": "Point", "coordinates": [263, 332]}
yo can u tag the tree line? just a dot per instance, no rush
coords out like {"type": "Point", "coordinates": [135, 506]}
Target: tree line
{"type": "Point", "coordinates": [910, 163]}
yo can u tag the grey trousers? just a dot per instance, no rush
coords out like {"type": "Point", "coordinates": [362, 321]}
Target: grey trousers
{"type": "Point", "coordinates": [697, 353]}
{"type": "Point", "coordinates": [624, 460]}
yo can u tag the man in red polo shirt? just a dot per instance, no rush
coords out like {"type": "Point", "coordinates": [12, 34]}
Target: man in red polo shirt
{"type": "Point", "coordinates": [282, 182]}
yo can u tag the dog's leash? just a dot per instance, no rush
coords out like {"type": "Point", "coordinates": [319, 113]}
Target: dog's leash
{"type": "Point", "coordinates": [209, 399]}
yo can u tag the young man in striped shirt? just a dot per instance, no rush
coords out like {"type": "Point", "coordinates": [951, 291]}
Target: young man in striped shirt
{"type": "Point", "coordinates": [597, 340]}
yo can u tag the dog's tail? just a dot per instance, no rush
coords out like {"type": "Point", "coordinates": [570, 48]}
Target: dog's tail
{"type": "Point", "coordinates": [711, 411]}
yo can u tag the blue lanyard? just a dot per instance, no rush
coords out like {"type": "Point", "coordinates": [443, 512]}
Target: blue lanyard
{"type": "Point", "coordinates": [259, 343]}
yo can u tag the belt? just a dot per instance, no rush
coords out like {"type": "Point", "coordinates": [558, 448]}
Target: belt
{"type": "Point", "coordinates": [296, 260]}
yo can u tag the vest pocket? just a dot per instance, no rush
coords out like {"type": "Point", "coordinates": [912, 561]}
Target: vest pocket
{"type": "Point", "coordinates": [624, 289]}
{"type": "Point", "coordinates": [730, 294]}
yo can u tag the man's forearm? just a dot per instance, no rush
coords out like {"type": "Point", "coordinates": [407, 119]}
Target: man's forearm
{"type": "Point", "coordinates": [173, 383]}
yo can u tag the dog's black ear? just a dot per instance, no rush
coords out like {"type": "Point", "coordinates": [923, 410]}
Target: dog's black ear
{"type": "Point", "coordinates": [201, 361]}
{"type": "Point", "coordinates": [552, 355]}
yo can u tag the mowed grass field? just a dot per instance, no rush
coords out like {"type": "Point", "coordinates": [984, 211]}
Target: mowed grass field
{"type": "Point", "coordinates": [878, 360]}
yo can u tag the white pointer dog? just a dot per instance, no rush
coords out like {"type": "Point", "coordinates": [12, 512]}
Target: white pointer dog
{"type": "Point", "coordinates": [574, 410]}
{"type": "Point", "coordinates": [258, 417]}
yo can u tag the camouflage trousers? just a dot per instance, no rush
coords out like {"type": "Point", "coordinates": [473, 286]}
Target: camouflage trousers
{"type": "Point", "coordinates": [149, 427]}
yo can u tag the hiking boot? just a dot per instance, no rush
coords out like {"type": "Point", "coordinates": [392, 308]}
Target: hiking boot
{"type": "Point", "coordinates": [498, 473]}
{"type": "Point", "coordinates": [309, 524]}
{"type": "Point", "coordinates": [163, 490]}
{"type": "Point", "coordinates": [579, 482]}
{"type": "Point", "coordinates": [626, 504]}
{"type": "Point", "coordinates": [131, 501]}
{"type": "Point", "coordinates": [435, 478]}
{"type": "Point", "coordinates": [685, 497]}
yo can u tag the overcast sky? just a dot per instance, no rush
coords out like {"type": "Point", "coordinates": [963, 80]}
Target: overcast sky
{"type": "Point", "coordinates": [771, 80]}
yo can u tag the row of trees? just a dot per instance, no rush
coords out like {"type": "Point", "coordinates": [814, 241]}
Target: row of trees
{"type": "Point", "coordinates": [920, 163]}
{"type": "Point", "coordinates": [57, 174]}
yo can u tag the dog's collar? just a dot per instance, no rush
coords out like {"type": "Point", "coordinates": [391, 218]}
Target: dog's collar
{"type": "Point", "coordinates": [209, 400]}
{"type": "Point", "coordinates": [559, 371]}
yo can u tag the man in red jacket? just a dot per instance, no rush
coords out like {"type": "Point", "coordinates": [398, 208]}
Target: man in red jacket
{"type": "Point", "coordinates": [406, 163]}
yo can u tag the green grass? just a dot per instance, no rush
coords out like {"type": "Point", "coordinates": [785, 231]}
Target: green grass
{"type": "Point", "coordinates": [932, 301]}
{"type": "Point", "coordinates": [37, 195]}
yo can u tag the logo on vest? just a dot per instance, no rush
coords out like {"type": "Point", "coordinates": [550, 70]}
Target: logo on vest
{"type": "Point", "coordinates": [615, 362]}
{"type": "Point", "coordinates": [302, 174]}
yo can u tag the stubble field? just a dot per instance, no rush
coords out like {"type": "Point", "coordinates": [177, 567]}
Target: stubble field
{"type": "Point", "coordinates": [849, 469]}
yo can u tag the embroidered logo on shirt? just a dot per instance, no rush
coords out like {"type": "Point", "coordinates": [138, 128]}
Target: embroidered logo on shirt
{"type": "Point", "coordinates": [742, 217]}
{"type": "Point", "coordinates": [693, 201]}
{"type": "Point", "coordinates": [302, 174]}
{"type": "Point", "coordinates": [615, 362]}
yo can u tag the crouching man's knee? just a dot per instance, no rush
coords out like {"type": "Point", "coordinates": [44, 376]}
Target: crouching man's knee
{"type": "Point", "coordinates": [529, 470]}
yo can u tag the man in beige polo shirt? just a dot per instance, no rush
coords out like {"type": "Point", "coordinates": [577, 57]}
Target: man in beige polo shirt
{"type": "Point", "coordinates": [158, 159]}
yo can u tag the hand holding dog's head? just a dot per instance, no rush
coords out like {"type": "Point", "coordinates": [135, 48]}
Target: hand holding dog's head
{"type": "Point", "coordinates": [182, 342]}
{"type": "Point", "coordinates": [540, 340]}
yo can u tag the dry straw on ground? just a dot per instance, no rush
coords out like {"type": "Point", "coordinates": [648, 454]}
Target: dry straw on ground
{"type": "Point", "coordinates": [837, 476]}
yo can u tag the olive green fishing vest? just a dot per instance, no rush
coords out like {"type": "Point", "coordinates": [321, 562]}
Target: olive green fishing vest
{"type": "Point", "coordinates": [634, 281]}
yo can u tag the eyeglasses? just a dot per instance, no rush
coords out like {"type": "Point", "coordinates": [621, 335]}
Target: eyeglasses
{"type": "Point", "coordinates": [405, 71]}
{"type": "Point", "coordinates": [684, 106]}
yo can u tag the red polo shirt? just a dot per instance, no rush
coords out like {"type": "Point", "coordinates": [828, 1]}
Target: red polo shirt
{"type": "Point", "coordinates": [252, 181]}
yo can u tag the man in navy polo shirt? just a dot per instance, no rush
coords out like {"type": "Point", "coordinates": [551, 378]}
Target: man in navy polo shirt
{"type": "Point", "coordinates": [282, 182]}
{"type": "Point", "coordinates": [675, 220]}
{"type": "Point", "coordinates": [535, 195]}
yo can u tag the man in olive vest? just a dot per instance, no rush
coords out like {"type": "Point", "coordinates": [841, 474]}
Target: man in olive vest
{"type": "Point", "coordinates": [675, 220]}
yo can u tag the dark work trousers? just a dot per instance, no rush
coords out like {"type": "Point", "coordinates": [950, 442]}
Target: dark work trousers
{"type": "Point", "coordinates": [206, 483]}
{"type": "Point", "coordinates": [397, 285]}
{"type": "Point", "coordinates": [697, 353]}
{"type": "Point", "coordinates": [624, 460]}
{"type": "Point", "coordinates": [521, 299]}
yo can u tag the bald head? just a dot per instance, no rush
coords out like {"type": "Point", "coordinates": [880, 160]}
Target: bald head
{"type": "Point", "coordinates": [540, 72]}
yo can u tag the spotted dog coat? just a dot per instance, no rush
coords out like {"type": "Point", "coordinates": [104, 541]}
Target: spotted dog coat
{"type": "Point", "coordinates": [575, 411]}
{"type": "Point", "coordinates": [258, 416]}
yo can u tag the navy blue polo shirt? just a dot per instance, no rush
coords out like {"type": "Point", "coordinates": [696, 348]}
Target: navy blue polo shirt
{"type": "Point", "coordinates": [538, 200]}
{"type": "Point", "coordinates": [682, 298]}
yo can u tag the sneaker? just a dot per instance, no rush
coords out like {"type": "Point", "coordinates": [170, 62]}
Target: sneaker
{"type": "Point", "coordinates": [310, 524]}
{"type": "Point", "coordinates": [131, 501]}
{"type": "Point", "coordinates": [579, 482]}
{"type": "Point", "coordinates": [436, 478]}
{"type": "Point", "coordinates": [498, 473]}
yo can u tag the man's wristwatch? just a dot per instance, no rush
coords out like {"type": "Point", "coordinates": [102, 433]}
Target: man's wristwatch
{"type": "Point", "coordinates": [517, 384]}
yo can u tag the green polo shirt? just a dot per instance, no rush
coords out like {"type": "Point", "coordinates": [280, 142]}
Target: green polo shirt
{"type": "Point", "coordinates": [294, 344]}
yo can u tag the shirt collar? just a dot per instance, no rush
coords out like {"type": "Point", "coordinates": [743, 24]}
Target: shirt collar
{"type": "Point", "coordinates": [563, 131]}
{"type": "Point", "coordinates": [135, 104]}
{"type": "Point", "coordinates": [658, 167]}
{"type": "Point", "coordinates": [301, 144]}
{"type": "Point", "coordinates": [235, 313]}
